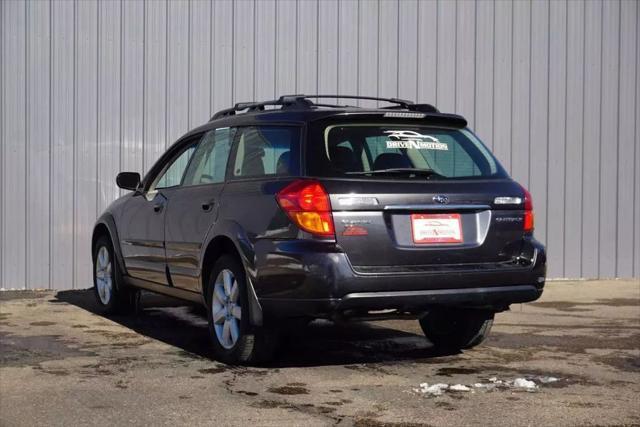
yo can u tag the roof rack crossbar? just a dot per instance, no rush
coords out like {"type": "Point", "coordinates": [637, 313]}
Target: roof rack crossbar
{"type": "Point", "coordinates": [403, 102]}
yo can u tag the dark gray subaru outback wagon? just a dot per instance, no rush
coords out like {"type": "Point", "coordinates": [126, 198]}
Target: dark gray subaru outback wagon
{"type": "Point", "coordinates": [297, 209]}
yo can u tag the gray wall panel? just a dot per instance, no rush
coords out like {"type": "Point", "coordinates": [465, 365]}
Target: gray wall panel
{"type": "Point", "coordinates": [14, 132]}
{"type": "Point", "coordinates": [243, 71]}
{"type": "Point", "coordinates": [286, 46]}
{"type": "Point", "coordinates": [591, 140]}
{"type": "Point", "coordinates": [520, 95]}
{"type": "Point", "coordinates": [265, 49]}
{"type": "Point", "coordinates": [222, 60]}
{"type": "Point", "coordinates": [484, 71]}
{"type": "Point", "coordinates": [539, 113]}
{"type": "Point", "coordinates": [62, 143]}
{"type": "Point", "coordinates": [200, 36]}
{"type": "Point", "coordinates": [609, 138]}
{"type": "Point", "coordinates": [109, 100]}
{"type": "Point", "coordinates": [574, 138]}
{"type": "Point", "coordinates": [446, 55]}
{"type": "Point", "coordinates": [636, 169]}
{"type": "Point", "coordinates": [91, 88]}
{"type": "Point", "coordinates": [368, 24]}
{"type": "Point", "coordinates": [388, 49]}
{"type": "Point", "coordinates": [177, 71]}
{"type": "Point", "coordinates": [155, 82]}
{"type": "Point", "coordinates": [556, 135]}
{"type": "Point", "coordinates": [626, 126]}
{"type": "Point", "coordinates": [307, 47]}
{"type": "Point", "coordinates": [348, 42]}
{"type": "Point", "coordinates": [328, 14]}
{"type": "Point", "coordinates": [408, 20]}
{"type": "Point", "coordinates": [466, 60]}
{"type": "Point", "coordinates": [132, 88]}
{"type": "Point", "coordinates": [86, 130]}
{"type": "Point", "coordinates": [502, 82]}
{"type": "Point", "coordinates": [37, 144]}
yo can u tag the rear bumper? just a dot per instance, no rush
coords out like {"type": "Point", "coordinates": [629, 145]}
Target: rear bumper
{"type": "Point", "coordinates": [302, 278]}
{"type": "Point", "coordinates": [498, 298]}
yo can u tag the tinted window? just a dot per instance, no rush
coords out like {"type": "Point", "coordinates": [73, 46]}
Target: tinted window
{"type": "Point", "coordinates": [210, 159]}
{"type": "Point", "coordinates": [173, 174]}
{"type": "Point", "coordinates": [265, 150]}
{"type": "Point", "coordinates": [355, 149]}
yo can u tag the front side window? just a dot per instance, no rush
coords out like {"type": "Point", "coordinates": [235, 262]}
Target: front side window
{"type": "Point", "coordinates": [210, 159]}
{"type": "Point", "coordinates": [172, 176]}
{"type": "Point", "coordinates": [401, 150]}
{"type": "Point", "coordinates": [265, 151]}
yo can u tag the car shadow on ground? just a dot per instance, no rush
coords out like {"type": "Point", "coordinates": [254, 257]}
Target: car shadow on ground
{"type": "Point", "coordinates": [321, 343]}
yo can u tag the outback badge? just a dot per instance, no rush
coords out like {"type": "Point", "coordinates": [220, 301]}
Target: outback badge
{"type": "Point", "coordinates": [442, 199]}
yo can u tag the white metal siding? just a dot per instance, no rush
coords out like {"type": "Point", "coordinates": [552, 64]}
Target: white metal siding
{"type": "Point", "coordinates": [91, 88]}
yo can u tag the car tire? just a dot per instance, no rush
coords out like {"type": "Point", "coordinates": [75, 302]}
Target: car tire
{"type": "Point", "coordinates": [234, 339]}
{"type": "Point", "coordinates": [112, 296]}
{"type": "Point", "coordinates": [454, 330]}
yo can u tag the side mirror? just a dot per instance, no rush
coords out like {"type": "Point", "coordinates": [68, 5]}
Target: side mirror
{"type": "Point", "coordinates": [128, 180]}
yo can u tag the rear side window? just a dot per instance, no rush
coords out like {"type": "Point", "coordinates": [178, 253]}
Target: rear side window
{"type": "Point", "coordinates": [266, 151]}
{"type": "Point", "coordinates": [396, 150]}
{"type": "Point", "coordinates": [209, 162]}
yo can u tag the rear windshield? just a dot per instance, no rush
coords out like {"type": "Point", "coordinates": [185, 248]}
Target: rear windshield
{"type": "Point", "coordinates": [394, 150]}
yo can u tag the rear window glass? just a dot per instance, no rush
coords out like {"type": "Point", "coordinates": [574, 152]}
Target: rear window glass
{"type": "Point", "coordinates": [266, 150]}
{"type": "Point", "coordinates": [402, 151]}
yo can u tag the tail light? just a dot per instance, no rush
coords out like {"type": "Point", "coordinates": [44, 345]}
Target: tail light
{"type": "Point", "coordinates": [528, 212]}
{"type": "Point", "coordinates": [307, 204]}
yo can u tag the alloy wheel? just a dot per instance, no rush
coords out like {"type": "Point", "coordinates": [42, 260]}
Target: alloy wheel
{"type": "Point", "coordinates": [226, 309]}
{"type": "Point", "coordinates": [104, 281]}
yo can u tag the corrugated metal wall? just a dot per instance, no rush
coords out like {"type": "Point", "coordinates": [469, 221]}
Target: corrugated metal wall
{"type": "Point", "coordinates": [92, 88]}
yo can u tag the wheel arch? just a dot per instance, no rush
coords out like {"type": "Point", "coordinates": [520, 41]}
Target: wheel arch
{"type": "Point", "coordinates": [106, 226]}
{"type": "Point", "coordinates": [225, 244]}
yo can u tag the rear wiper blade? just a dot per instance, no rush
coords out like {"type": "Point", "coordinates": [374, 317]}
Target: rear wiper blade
{"type": "Point", "coordinates": [429, 173]}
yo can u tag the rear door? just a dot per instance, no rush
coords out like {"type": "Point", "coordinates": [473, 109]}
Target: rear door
{"type": "Point", "coordinates": [409, 195]}
{"type": "Point", "coordinates": [194, 207]}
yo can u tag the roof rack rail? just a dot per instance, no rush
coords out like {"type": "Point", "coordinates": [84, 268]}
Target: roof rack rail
{"type": "Point", "coordinates": [304, 102]}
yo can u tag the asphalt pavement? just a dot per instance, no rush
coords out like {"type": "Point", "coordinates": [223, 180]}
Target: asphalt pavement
{"type": "Point", "coordinates": [572, 358]}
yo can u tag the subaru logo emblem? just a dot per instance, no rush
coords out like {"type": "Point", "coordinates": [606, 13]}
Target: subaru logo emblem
{"type": "Point", "coordinates": [443, 200]}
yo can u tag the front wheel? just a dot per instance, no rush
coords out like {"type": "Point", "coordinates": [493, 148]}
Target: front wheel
{"type": "Point", "coordinates": [456, 329]}
{"type": "Point", "coordinates": [111, 296]}
{"type": "Point", "coordinates": [234, 339]}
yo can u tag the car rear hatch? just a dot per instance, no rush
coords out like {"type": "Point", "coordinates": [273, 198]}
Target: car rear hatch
{"type": "Point", "coordinates": [416, 195]}
{"type": "Point", "coordinates": [433, 226]}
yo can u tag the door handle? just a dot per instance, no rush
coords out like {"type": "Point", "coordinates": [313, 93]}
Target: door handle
{"type": "Point", "coordinates": [157, 207]}
{"type": "Point", "coordinates": [206, 206]}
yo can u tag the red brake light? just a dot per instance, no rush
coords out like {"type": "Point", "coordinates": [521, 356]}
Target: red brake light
{"type": "Point", "coordinates": [528, 212]}
{"type": "Point", "coordinates": [307, 204]}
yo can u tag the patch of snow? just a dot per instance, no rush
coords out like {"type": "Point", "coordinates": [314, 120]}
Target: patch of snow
{"type": "Point", "coordinates": [492, 384]}
{"type": "Point", "coordinates": [524, 383]}
{"type": "Point", "coordinates": [433, 390]}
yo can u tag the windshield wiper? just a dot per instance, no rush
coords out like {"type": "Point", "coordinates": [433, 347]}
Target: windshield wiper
{"type": "Point", "coordinates": [429, 173]}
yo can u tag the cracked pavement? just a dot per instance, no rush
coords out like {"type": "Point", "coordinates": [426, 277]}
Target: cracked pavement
{"type": "Point", "coordinates": [63, 364]}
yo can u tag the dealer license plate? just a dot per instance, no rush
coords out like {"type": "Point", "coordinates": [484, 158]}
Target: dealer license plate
{"type": "Point", "coordinates": [436, 228]}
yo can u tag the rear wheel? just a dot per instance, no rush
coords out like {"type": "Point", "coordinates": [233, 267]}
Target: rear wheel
{"type": "Point", "coordinates": [111, 295]}
{"type": "Point", "coordinates": [234, 339]}
{"type": "Point", "coordinates": [456, 329]}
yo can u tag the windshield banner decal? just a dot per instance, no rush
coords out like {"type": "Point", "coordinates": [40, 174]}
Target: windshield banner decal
{"type": "Point", "coordinates": [411, 139]}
